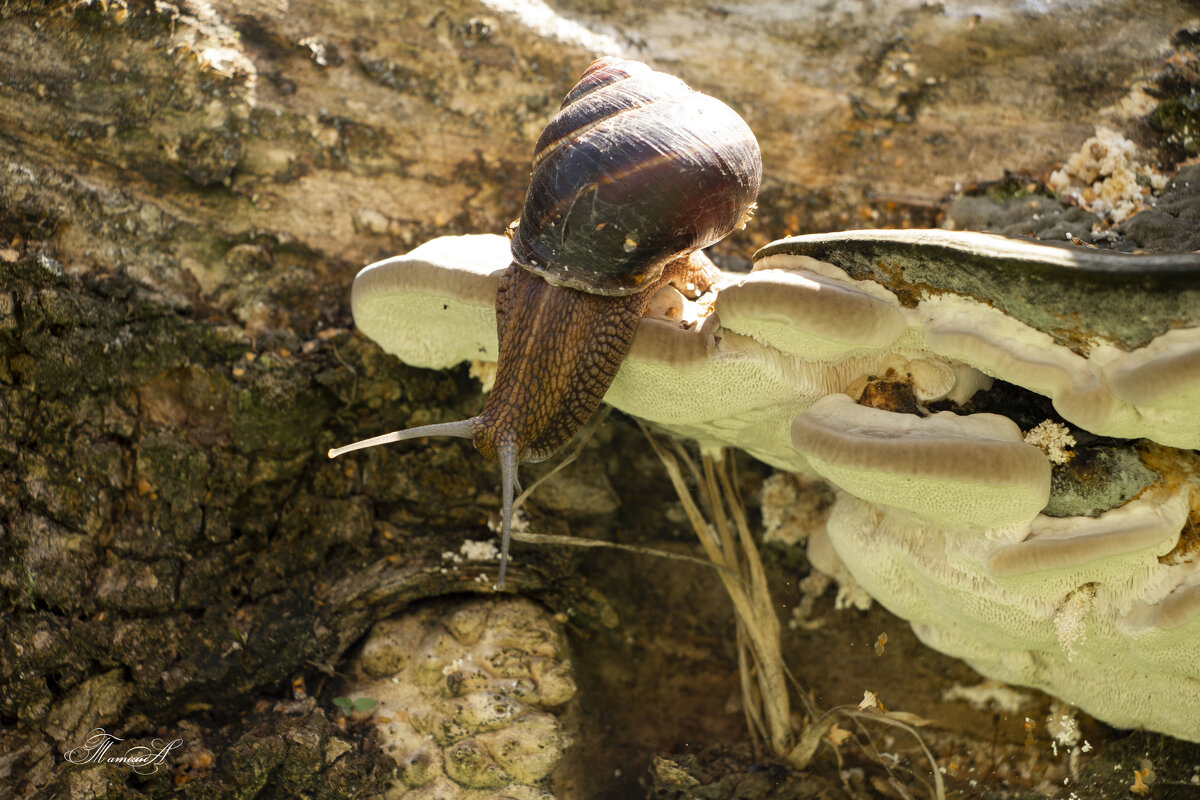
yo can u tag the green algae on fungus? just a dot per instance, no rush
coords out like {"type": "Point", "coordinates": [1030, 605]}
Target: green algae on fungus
{"type": "Point", "coordinates": [1176, 118]}
{"type": "Point", "coordinates": [1096, 479]}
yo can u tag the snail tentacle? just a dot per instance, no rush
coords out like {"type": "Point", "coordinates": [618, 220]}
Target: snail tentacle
{"type": "Point", "coordinates": [508, 483]}
{"type": "Point", "coordinates": [464, 428]}
{"type": "Point", "coordinates": [506, 453]}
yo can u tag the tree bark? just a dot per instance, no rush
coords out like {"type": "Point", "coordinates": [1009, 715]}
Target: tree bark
{"type": "Point", "coordinates": [187, 189]}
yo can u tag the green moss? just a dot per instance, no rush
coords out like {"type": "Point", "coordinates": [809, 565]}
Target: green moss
{"type": "Point", "coordinates": [279, 412]}
{"type": "Point", "coordinates": [1176, 118]}
{"type": "Point", "coordinates": [1095, 480]}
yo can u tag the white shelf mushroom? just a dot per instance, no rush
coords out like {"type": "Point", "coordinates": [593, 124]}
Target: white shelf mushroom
{"type": "Point", "coordinates": [974, 470]}
{"type": "Point", "coordinates": [1112, 339]}
{"type": "Point", "coordinates": [938, 516]}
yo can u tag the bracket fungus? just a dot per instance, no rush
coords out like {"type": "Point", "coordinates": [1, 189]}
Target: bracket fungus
{"type": "Point", "coordinates": [410, 304]}
{"type": "Point", "coordinates": [1112, 339]}
{"type": "Point", "coordinates": [805, 315]}
{"type": "Point", "coordinates": [1091, 610]}
{"type": "Point", "coordinates": [945, 514]}
{"type": "Point", "coordinates": [970, 469]}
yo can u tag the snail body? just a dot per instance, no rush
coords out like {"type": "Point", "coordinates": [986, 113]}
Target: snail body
{"type": "Point", "coordinates": [631, 179]}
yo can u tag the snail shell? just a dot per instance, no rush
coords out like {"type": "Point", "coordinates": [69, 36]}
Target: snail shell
{"type": "Point", "coordinates": [634, 171]}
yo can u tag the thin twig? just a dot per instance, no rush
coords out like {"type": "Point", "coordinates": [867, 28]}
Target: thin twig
{"type": "Point", "coordinates": [582, 440]}
{"type": "Point", "coordinates": [575, 541]}
{"type": "Point", "coordinates": [821, 725]}
{"type": "Point", "coordinates": [938, 785]}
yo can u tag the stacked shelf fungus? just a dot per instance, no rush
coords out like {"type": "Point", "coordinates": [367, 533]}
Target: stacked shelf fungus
{"type": "Point", "coordinates": [1009, 426]}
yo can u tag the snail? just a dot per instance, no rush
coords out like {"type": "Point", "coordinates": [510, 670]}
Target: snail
{"type": "Point", "coordinates": [634, 175]}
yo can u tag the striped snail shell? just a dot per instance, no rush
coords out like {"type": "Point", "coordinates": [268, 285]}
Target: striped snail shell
{"type": "Point", "coordinates": [634, 175]}
{"type": "Point", "coordinates": [635, 170]}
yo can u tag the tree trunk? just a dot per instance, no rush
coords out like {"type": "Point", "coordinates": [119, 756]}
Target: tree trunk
{"type": "Point", "coordinates": [187, 190]}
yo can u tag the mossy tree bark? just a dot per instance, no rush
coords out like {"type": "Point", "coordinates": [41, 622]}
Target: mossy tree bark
{"type": "Point", "coordinates": [186, 192]}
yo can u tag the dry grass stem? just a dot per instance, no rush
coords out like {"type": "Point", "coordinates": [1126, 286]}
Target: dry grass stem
{"type": "Point", "coordinates": [752, 710]}
{"type": "Point", "coordinates": [728, 543]}
{"type": "Point", "coordinates": [764, 685]}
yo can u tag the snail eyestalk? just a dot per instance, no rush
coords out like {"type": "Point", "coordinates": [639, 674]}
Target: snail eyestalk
{"type": "Point", "coordinates": [463, 428]}
{"type": "Point", "coordinates": [508, 482]}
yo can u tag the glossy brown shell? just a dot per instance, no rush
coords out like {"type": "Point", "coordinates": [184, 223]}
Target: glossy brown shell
{"type": "Point", "coordinates": [635, 170]}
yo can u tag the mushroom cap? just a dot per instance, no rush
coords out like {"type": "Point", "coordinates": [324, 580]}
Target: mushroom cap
{"type": "Point", "coordinates": [1166, 631]}
{"type": "Point", "coordinates": [716, 387]}
{"type": "Point", "coordinates": [1074, 294]}
{"type": "Point", "coordinates": [973, 471]}
{"type": "Point", "coordinates": [434, 306]}
{"type": "Point", "coordinates": [1112, 339]}
{"type": "Point", "coordinates": [1061, 553]}
{"type": "Point", "coordinates": [1151, 392]}
{"type": "Point", "coordinates": [1164, 374]}
{"type": "Point", "coordinates": [808, 315]}
{"type": "Point", "coordinates": [1112, 627]}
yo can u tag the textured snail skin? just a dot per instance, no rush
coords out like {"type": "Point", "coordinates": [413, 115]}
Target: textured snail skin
{"type": "Point", "coordinates": [632, 178]}
{"type": "Point", "coordinates": [560, 348]}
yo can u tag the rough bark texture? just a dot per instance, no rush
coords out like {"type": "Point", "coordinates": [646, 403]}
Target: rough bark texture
{"type": "Point", "coordinates": [187, 189]}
